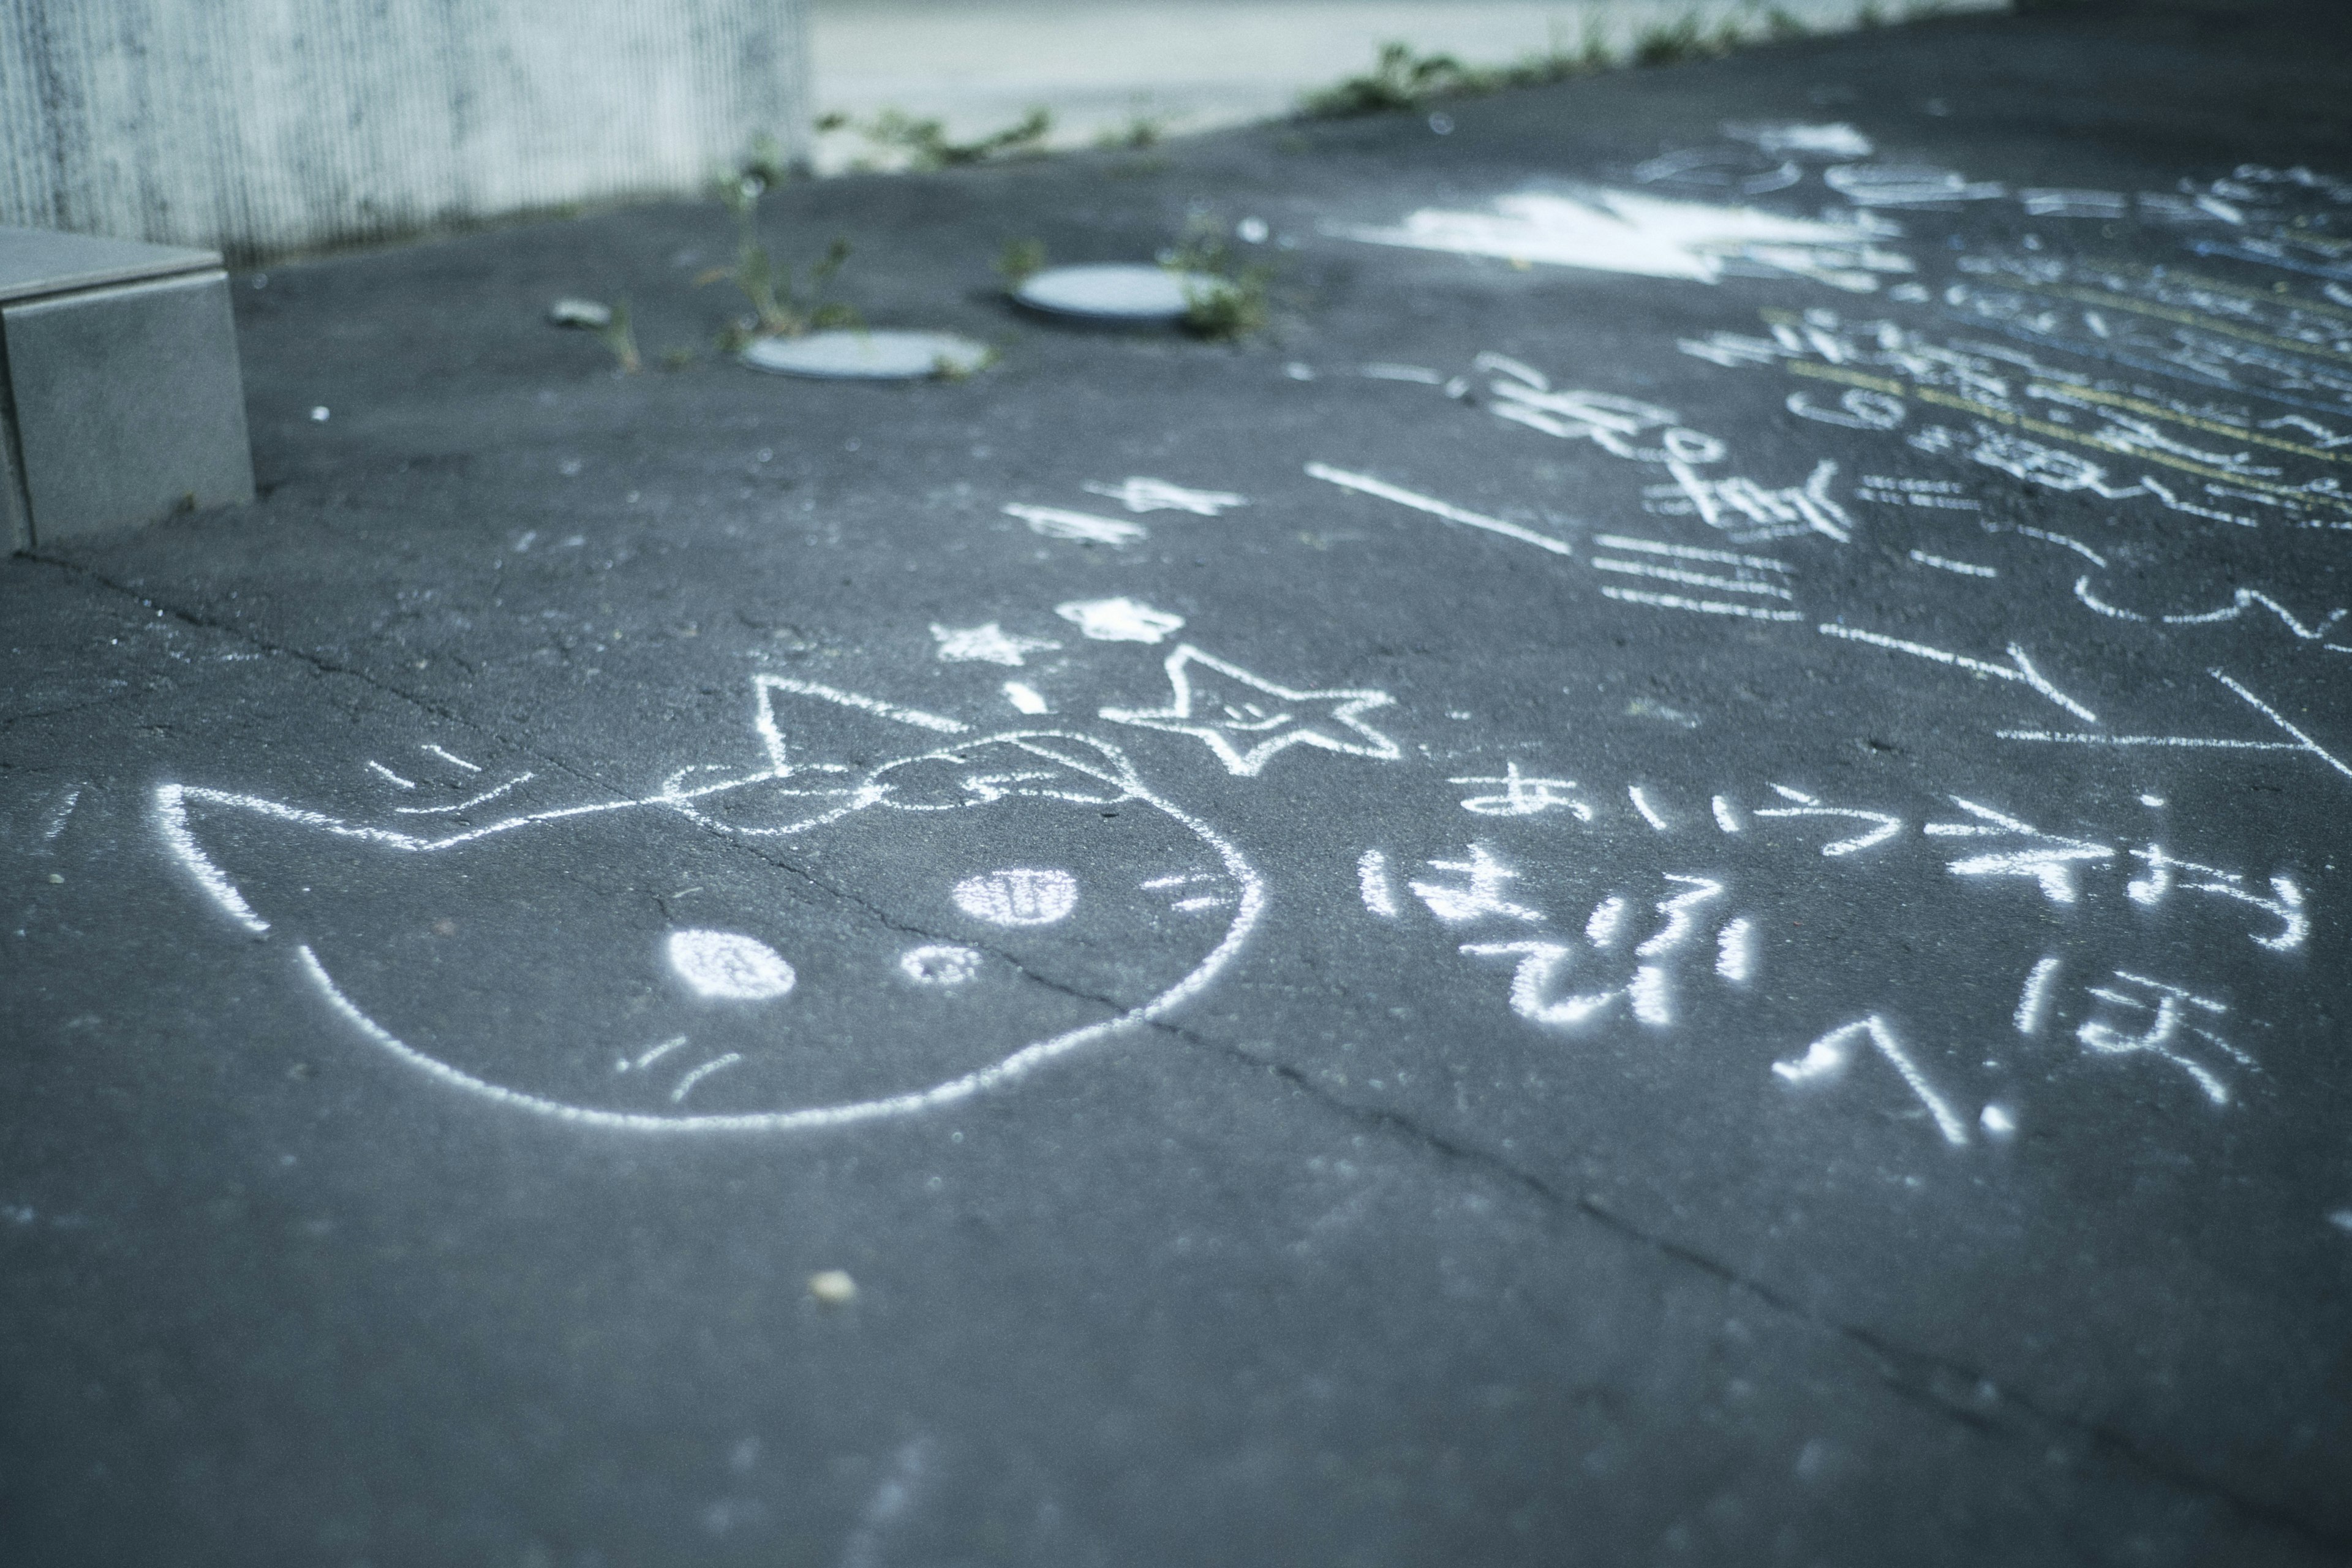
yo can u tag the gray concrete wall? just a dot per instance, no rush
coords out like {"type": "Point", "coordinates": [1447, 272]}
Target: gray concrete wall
{"type": "Point", "coordinates": [263, 126]}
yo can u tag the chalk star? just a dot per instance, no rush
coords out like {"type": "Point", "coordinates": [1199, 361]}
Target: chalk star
{"type": "Point", "coordinates": [992, 644]}
{"type": "Point", "coordinates": [1157, 495]}
{"type": "Point", "coordinates": [1230, 711]}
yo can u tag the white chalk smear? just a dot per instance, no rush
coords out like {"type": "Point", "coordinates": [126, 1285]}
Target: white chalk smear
{"type": "Point", "coordinates": [1138, 494]}
{"type": "Point", "coordinates": [1608, 919]}
{"type": "Point", "coordinates": [387, 772]}
{"type": "Point", "coordinates": [1025, 697]}
{"type": "Point", "coordinates": [1018, 896]}
{"type": "Point", "coordinates": [59, 817]}
{"type": "Point", "coordinates": [989, 643]}
{"type": "Point", "coordinates": [1724, 818]}
{"type": "Point", "coordinates": [939, 964]}
{"type": "Point", "coordinates": [452, 757]}
{"type": "Point", "coordinates": [1828, 1058]}
{"type": "Point", "coordinates": [2033, 1002]}
{"type": "Point", "coordinates": [1735, 951]}
{"type": "Point", "coordinates": [1434, 508]}
{"type": "Point", "coordinates": [728, 965]}
{"type": "Point", "coordinates": [1641, 803]}
{"type": "Point", "coordinates": [1120, 620]}
{"type": "Point", "coordinates": [1082, 527]}
{"type": "Point", "coordinates": [1609, 230]}
{"type": "Point", "coordinates": [1372, 882]}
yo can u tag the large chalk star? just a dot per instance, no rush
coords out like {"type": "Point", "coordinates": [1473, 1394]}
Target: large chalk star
{"type": "Point", "coordinates": [1247, 721]}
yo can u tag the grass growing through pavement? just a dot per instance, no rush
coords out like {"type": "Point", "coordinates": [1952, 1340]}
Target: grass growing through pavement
{"type": "Point", "coordinates": [618, 335]}
{"type": "Point", "coordinates": [1402, 78]}
{"type": "Point", "coordinates": [924, 143]}
{"type": "Point", "coordinates": [1224, 301]}
{"type": "Point", "coordinates": [782, 305]}
{"type": "Point", "coordinates": [1020, 260]}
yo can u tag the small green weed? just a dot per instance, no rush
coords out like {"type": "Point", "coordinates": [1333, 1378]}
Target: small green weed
{"type": "Point", "coordinates": [1782, 27]}
{"type": "Point", "coordinates": [619, 337]}
{"type": "Point", "coordinates": [925, 147]}
{"type": "Point", "coordinates": [780, 305]}
{"type": "Point", "coordinates": [1223, 301]}
{"type": "Point", "coordinates": [1401, 78]}
{"type": "Point", "coordinates": [1671, 43]}
{"type": "Point", "coordinates": [1020, 260]}
{"type": "Point", "coordinates": [1141, 134]}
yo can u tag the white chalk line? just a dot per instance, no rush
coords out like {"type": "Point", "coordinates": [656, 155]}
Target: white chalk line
{"type": "Point", "coordinates": [2302, 741]}
{"type": "Point", "coordinates": [2033, 1001]}
{"type": "Point", "coordinates": [1436, 508]}
{"type": "Point", "coordinates": [1965, 569]}
{"type": "Point", "coordinates": [1691, 579]}
{"type": "Point", "coordinates": [1690, 553]}
{"type": "Point", "coordinates": [1699, 607]}
{"type": "Point", "coordinates": [2021, 671]}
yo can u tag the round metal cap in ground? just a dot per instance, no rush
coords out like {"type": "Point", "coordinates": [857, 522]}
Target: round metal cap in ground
{"type": "Point", "coordinates": [1122, 291]}
{"type": "Point", "coordinates": [868, 356]}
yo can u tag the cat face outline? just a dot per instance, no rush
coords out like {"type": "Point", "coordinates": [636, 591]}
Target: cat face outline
{"type": "Point", "coordinates": [858, 943]}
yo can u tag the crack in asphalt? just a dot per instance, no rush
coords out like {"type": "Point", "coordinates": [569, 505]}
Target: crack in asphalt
{"type": "Point", "coordinates": [1923, 1377]}
{"type": "Point", "coordinates": [1930, 1380]}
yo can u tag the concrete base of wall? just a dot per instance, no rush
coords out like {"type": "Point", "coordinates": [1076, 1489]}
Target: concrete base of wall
{"type": "Point", "coordinates": [258, 128]}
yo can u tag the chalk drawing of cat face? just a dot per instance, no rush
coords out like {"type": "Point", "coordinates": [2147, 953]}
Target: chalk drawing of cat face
{"type": "Point", "coordinates": [799, 946]}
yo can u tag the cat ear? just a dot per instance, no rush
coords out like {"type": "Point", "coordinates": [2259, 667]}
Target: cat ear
{"type": "Point", "coordinates": [799, 721]}
{"type": "Point", "coordinates": [233, 846]}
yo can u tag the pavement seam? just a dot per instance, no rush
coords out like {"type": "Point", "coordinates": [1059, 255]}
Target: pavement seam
{"type": "Point", "coordinates": [1910, 1374]}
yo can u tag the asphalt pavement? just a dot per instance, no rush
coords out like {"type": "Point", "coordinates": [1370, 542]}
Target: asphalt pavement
{"type": "Point", "coordinates": [1657, 882]}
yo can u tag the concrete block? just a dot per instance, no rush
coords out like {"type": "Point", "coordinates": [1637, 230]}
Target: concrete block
{"type": "Point", "coordinates": [118, 386]}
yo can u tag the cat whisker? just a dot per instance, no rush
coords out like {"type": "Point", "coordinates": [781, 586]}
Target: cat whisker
{"type": "Point", "coordinates": [652, 1056]}
{"type": "Point", "coordinates": [686, 1084]}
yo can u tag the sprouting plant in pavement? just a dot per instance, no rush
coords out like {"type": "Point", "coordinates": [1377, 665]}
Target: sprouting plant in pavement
{"type": "Point", "coordinates": [1020, 260]}
{"type": "Point", "coordinates": [924, 145]}
{"type": "Point", "coordinates": [618, 335]}
{"type": "Point", "coordinates": [1141, 134]}
{"type": "Point", "coordinates": [1224, 302]}
{"type": "Point", "coordinates": [783, 305]}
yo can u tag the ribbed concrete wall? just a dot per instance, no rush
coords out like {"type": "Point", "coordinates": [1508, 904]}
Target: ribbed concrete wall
{"type": "Point", "coordinates": [263, 126]}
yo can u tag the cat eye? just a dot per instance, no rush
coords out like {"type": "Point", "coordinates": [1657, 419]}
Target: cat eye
{"type": "Point", "coordinates": [728, 967]}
